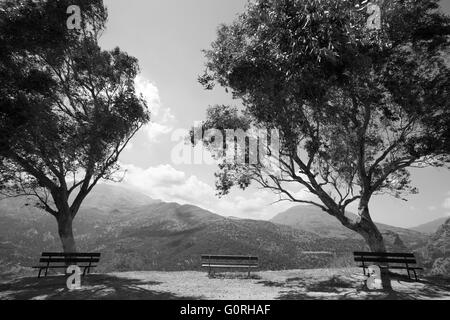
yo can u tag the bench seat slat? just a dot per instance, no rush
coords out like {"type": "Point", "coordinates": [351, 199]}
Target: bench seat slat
{"type": "Point", "coordinates": [395, 267]}
{"type": "Point", "coordinates": [385, 260]}
{"type": "Point", "coordinates": [68, 260]}
{"type": "Point", "coordinates": [229, 261]}
{"type": "Point", "coordinates": [228, 266]}
{"type": "Point", "coordinates": [61, 267]}
{"type": "Point", "coordinates": [384, 254]}
{"type": "Point", "coordinates": [224, 257]}
{"type": "Point", "coordinates": [75, 254]}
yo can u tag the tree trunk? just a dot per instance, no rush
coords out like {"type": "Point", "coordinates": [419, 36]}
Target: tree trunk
{"type": "Point", "coordinates": [66, 233]}
{"type": "Point", "coordinates": [369, 231]}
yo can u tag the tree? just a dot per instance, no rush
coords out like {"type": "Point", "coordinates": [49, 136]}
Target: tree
{"type": "Point", "coordinates": [68, 108]}
{"type": "Point", "coordinates": [355, 107]}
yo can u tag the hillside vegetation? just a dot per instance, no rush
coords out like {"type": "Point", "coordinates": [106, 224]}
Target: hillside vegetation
{"type": "Point", "coordinates": [134, 233]}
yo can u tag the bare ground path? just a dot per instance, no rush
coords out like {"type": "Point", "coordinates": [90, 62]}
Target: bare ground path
{"type": "Point", "coordinates": [266, 285]}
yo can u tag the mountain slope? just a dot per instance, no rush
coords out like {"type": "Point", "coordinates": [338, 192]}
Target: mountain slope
{"type": "Point", "coordinates": [432, 226]}
{"type": "Point", "coordinates": [314, 220]}
{"type": "Point", "coordinates": [436, 255]}
{"type": "Point", "coordinates": [134, 232]}
{"type": "Point", "coordinates": [103, 199]}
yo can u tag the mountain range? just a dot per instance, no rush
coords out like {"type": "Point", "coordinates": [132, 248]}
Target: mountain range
{"type": "Point", "coordinates": [317, 221]}
{"type": "Point", "coordinates": [135, 232]}
{"type": "Point", "coordinates": [432, 226]}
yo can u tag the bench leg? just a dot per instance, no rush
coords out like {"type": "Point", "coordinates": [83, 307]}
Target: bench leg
{"type": "Point", "coordinates": [415, 275]}
{"type": "Point", "coordinates": [89, 267]}
{"type": "Point", "coordinates": [87, 270]}
{"type": "Point", "coordinates": [409, 274]}
{"type": "Point", "coordinates": [46, 271]}
{"type": "Point", "coordinates": [39, 274]}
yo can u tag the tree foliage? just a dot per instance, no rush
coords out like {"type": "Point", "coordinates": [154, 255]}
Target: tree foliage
{"type": "Point", "coordinates": [355, 107]}
{"type": "Point", "coordinates": [68, 108]}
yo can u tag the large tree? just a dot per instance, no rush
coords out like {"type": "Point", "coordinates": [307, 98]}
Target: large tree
{"type": "Point", "coordinates": [67, 109]}
{"type": "Point", "coordinates": [355, 107]}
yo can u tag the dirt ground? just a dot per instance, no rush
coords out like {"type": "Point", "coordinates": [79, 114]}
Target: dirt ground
{"type": "Point", "coordinates": [317, 284]}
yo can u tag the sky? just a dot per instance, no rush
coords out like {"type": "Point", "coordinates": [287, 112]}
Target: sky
{"type": "Point", "coordinates": [167, 37]}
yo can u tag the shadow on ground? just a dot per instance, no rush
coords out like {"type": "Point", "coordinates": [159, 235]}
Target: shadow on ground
{"type": "Point", "coordinates": [433, 288]}
{"type": "Point", "coordinates": [239, 276]}
{"type": "Point", "coordinates": [94, 287]}
{"type": "Point", "coordinates": [336, 287]}
{"type": "Point", "coordinates": [308, 286]}
{"type": "Point", "coordinates": [349, 288]}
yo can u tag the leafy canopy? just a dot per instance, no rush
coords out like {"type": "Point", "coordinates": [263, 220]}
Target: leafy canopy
{"type": "Point", "coordinates": [355, 107]}
{"type": "Point", "coordinates": [67, 107]}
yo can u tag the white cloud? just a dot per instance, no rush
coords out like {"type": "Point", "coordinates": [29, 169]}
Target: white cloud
{"type": "Point", "coordinates": [166, 183]}
{"type": "Point", "coordinates": [150, 93]}
{"type": "Point", "coordinates": [252, 205]}
{"type": "Point", "coordinates": [155, 130]}
{"type": "Point", "coordinates": [446, 203]}
{"type": "Point", "coordinates": [259, 205]}
{"type": "Point", "coordinates": [129, 146]}
{"type": "Point", "coordinates": [156, 176]}
{"type": "Point", "coordinates": [162, 118]}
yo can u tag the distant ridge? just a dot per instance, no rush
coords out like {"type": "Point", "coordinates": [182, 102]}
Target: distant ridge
{"type": "Point", "coordinates": [313, 219]}
{"type": "Point", "coordinates": [432, 226]}
{"type": "Point", "coordinates": [136, 233]}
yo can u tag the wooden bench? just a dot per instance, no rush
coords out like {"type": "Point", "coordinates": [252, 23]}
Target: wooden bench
{"type": "Point", "coordinates": [213, 262]}
{"type": "Point", "coordinates": [57, 260]}
{"type": "Point", "coordinates": [389, 260]}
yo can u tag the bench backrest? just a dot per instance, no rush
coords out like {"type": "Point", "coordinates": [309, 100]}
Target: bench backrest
{"type": "Point", "coordinates": [69, 258]}
{"type": "Point", "coordinates": [230, 260]}
{"type": "Point", "coordinates": [385, 257]}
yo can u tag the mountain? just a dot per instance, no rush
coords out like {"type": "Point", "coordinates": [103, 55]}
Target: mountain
{"type": "Point", "coordinates": [315, 220]}
{"type": "Point", "coordinates": [176, 244]}
{"type": "Point", "coordinates": [439, 244]}
{"type": "Point", "coordinates": [437, 252]}
{"type": "Point", "coordinates": [431, 227]}
{"type": "Point", "coordinates": [104, 199]}
{"type": "Point", "coordinates": [134, 232]}
{"type": "Point", "coordinates": [107, 198]}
